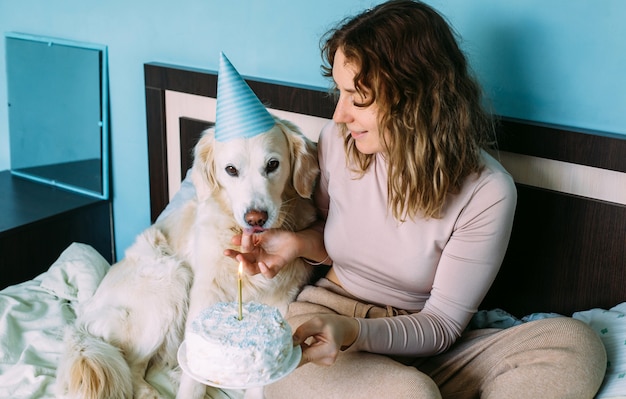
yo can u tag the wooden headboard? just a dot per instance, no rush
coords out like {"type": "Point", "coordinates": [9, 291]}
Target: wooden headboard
{"type": "Point", "coordinates": [568, 246]}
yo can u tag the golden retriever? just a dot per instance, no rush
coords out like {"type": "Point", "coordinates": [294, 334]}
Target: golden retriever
{"type": "Point", "coordinates": [136, 318]}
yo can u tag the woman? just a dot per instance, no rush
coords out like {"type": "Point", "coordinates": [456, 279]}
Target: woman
{"type": "Point", "coordinates": [416, 218]}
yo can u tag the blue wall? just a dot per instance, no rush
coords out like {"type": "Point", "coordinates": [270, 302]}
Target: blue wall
{"type": "Point", "coordinates": [555, 61]}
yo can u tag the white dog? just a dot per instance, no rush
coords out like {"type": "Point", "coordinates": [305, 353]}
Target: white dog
{"type": "Point", "coordinates": [137, 316]}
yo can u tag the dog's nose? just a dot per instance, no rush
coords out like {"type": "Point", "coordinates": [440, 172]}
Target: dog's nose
{"type": "Point", "coordinates": [256, 218]}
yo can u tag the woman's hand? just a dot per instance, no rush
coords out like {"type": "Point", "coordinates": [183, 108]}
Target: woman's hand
{"type": "Point", "coordinates": [323, 337]}
{"type": "Point", "coordinates": [266, 252]}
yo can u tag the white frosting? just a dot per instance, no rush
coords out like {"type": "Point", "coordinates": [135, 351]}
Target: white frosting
{"type": "Point", "coordinates": [232, 352]}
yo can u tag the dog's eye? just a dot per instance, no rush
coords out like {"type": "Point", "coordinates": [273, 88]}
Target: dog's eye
{"type": "Point", "coordinates": [231, 170]}
{"type": "Point", "coordinates": [271, 166]}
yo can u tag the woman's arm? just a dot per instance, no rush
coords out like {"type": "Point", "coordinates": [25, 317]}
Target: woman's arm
{"type": "Point", "coordinates": [465, 270]}
{"type": "Point", "coordinates": [268, 252]}
{"type": "Point", "coordinates": [467, 267]}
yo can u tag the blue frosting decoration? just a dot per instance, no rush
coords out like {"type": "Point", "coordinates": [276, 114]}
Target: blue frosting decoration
{"type": "Point", "coordinates": [239, 112]}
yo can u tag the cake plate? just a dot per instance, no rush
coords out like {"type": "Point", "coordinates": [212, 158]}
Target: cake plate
{"type": "Point", "coordinates": [289, 366]}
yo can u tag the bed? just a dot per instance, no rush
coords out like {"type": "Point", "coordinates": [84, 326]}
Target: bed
{"type": "Point", "coordinates": [567, 254]}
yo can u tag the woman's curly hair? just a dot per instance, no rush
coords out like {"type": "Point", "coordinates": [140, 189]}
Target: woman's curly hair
{"type": "Point", "coordinates": [409, 63]}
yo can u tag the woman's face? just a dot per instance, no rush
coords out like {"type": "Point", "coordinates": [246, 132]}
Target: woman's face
{"type": "Point", "coordinates": [361, 122]}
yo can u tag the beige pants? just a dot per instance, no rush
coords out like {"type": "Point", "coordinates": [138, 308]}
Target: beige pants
{"type": "Point", "coordinates": [549, 358]}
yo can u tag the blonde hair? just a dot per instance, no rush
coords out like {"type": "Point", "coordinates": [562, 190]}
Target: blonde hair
{"type": "Point", "coordinates": [409, 63]}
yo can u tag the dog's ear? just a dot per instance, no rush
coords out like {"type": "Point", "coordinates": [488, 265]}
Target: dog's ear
{"type": "Point", "coordinates": [304, 165]}
{"type": "Point", "coordinates": [203, 168]}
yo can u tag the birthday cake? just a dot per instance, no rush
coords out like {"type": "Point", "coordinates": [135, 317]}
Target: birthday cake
{"type": "Point", "coordinates": [231, 352]}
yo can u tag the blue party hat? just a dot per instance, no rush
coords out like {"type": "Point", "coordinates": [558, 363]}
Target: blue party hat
{"type": "Point", "coordinates": [239, 112]}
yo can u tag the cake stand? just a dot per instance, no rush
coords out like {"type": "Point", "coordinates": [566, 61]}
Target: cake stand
{"type": "Point", "coordinates": [254, 389]}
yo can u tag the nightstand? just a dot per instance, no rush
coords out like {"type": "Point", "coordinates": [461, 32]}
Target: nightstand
{"type": "Point", "coordinates": [38, 222]}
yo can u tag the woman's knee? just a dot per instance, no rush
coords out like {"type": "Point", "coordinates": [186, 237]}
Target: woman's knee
{"type": "Point", "coordinates": [356, 375]}
{"type": "Point", "coordinates": [405, 382]}
{"type": "Point", "coordinates": [579, 343]}
{"type": "Point", "coordinates": [585, 354]}
{"type": "Point", "coordinates": [554, 358]}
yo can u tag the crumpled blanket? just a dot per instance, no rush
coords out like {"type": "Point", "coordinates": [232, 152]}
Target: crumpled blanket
{"type": "Point", "coordinates": [498, 318]}
{"type": "Point", "coordinates": [34, 315]}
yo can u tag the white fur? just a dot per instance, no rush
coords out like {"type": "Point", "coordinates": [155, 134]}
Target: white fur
{"type": "Point", "coordinates": [136, 319]}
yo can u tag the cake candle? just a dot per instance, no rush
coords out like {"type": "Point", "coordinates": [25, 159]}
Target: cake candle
{"type": "Point", "coordinates": [239, 289]}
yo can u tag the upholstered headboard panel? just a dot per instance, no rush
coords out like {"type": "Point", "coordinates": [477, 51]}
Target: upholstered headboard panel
{"type": "Point", "coordinates": [568, 246]}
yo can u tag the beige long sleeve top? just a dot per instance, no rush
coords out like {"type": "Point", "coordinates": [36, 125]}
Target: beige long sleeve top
{"type": "Point", "coordinates": [438, 269]}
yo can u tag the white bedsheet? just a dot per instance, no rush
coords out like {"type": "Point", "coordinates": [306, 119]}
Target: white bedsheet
{"type": "Point", "coordinates": [33, 315]}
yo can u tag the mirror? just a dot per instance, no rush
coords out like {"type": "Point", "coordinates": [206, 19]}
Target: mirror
{"type": "Point", "coordinates": [58, 112]}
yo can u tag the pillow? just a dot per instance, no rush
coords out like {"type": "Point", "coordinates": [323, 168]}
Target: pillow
{"type": "Point", "coordinates": [76, 273]}
{"type": "Point", "coordinates": [186, 192]}
{"type": "Point", "coordinates": [611, 327]}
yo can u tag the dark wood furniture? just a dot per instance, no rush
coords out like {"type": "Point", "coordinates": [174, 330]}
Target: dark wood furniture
{"type": "Point", "coordinates": [567, 252]}
{"type": "Point", "coordinates": [38, 222]}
